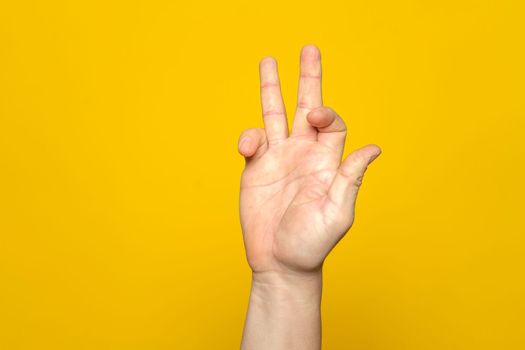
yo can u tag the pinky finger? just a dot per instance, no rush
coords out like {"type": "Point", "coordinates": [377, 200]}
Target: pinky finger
{"type": "Point", "coordinates": [252, 142]}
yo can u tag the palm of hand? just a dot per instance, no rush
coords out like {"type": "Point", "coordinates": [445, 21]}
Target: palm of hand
{"type": "Point", "coordinates": [297, 199]}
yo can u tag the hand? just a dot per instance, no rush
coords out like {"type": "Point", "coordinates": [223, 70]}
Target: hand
{"type": "Point", "coordinates": [297, 198]}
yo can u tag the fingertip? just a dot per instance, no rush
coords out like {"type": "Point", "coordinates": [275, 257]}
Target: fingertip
{"type": "Point", "coordinates": [378, 149]}
{"type": "Point", "coordinates": [245, 148]}
{"type": "Point", "coordinates": [267, 61]}
{"type": "Point", "coordinates": [310, 51]}
{"type": "Point", "coordinates": [320, 117]}
{"type": "Point", "coordinates": [375, 151]}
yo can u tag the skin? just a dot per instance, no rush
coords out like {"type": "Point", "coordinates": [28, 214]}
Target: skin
{"type": "Point", "coordinates": [297, 200]}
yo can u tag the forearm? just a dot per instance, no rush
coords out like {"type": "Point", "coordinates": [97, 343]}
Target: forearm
{"type": "Point", "coordinates": [284, 312]}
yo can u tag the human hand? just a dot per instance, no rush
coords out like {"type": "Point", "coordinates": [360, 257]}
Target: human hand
{"type": "Point", "coordinates": [297, 198]}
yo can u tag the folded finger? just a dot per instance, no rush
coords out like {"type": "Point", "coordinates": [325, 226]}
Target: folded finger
{"type": "Point", "coordinates": [330, 127]}
{"type": "Point", "coordinates": [252, 142]}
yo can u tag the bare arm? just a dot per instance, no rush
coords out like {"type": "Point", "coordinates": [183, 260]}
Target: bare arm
{"type": "Point", "coordinates": [297, 201]}
{"type": "Point", "coordinates": [284, 312]}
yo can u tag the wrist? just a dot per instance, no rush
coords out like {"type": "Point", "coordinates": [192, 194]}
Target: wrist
{"type": "Point", "coordinates": [288, 289]}
{"type": "Point", "coordinates": [284, 311]}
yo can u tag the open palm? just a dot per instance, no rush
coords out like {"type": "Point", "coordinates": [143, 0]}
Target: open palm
{"type": "Point", "coordinates": [297, 198]}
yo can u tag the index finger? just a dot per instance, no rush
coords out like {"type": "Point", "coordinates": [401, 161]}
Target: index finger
{"type": "Point", "coordinates": [273, 111]}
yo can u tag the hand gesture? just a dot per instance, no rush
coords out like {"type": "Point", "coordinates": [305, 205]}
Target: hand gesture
{"type": "Point", "coordinates": [297, 197]}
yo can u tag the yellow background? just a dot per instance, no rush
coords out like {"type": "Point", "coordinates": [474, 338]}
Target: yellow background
{"type": "Point", "coordinates": [119, 171]}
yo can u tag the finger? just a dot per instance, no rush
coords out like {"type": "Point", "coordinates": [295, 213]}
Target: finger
{"type": "Point", "coordinates": [345, 186]}
{"type": "Point", "coordinates": [330, 126]}
{"type": "Point", "coordinates": [309, 94]}
{"type": "Point", "coordinates": [273, 111]}
{"type": "Point", "coordinates": [252, 142]}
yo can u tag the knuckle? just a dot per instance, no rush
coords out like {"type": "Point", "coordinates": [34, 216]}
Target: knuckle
{"type": "Point", "coordinates": [249, 131]}
{"type": "Point", "coordinates": [359, 159]}
{"type": "Point", "coordinates": [322, 110]}
{"type": "Point", "coordinates": [273, 112]}
{"type": "Point", "coordinates": [253, 133]}
{"type": "Point", "coordinates": [343, 125]}
{"type": "Point", "coordinates": [328, 109]}
{"type": "Point", "coordinates": [302, 104]}
{"type": "Point", "coordinates": [354, 179]}
{"type": "Point", "coordinates": [358, 181]}
{"type": "Point", "coordinates": [245, 134]}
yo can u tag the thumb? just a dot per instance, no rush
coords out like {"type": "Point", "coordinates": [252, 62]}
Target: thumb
{"type": "Point", "coordinates": [343, 191]}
